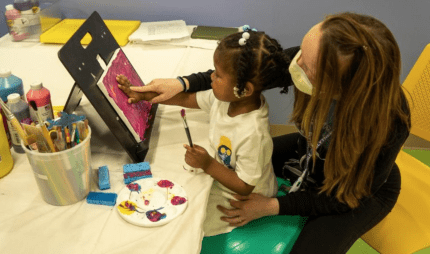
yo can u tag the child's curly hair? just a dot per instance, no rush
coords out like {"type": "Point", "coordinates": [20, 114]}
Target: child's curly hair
{"type": "Point", "coordinates": [260, 61]}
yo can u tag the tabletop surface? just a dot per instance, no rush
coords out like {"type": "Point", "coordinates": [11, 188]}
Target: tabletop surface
{"type": "Point", "coordinates": [29, 225]}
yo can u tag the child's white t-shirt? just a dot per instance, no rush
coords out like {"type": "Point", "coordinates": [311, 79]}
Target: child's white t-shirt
{"type": "Point", "coordinates": [243, 144]}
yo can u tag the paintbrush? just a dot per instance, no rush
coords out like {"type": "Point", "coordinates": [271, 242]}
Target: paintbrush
{"type": "Point", "coordinates": [186, 127]}
{"type": "Point", "coordinates": [45, 131]}
{"type": "Point", "coordinates": [14, 122]}
{"type": "Point", "coordinates": [32, 142]}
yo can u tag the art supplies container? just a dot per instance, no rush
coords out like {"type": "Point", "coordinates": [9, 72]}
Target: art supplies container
{"type": "Point", "coordinates": [9, 84]}
{"type": "Point", "coordinates": [63, 177]}
{"type": "Point", "coordinates": [6, 162]}
{"type": "Point", "coordinates": [11, 15]}
{"type": "Point", "coordinates": [42, 97]}
{"type": "Point", "coordinates": [20, 109]}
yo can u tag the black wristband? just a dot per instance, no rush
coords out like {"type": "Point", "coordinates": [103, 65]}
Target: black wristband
{"type": "Point", "coordinates": [182, 82]}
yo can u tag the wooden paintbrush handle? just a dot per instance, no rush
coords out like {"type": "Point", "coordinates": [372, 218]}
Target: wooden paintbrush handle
{"type": "Point", "coordinates": [19, 129]}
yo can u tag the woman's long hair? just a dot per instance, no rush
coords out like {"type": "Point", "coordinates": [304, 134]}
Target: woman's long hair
{"type": "Point", "coordinates": [359, 65]}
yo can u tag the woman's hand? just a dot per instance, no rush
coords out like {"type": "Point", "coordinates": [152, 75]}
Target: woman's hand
{"type": "Point", "coordinates": [197, 157]}
{"type": "Point", "coordinates": [134, 95]}
{"type": "Point", "coordinates": [158, 90]}
{"type": "Point", "coordinates": [248, 208]}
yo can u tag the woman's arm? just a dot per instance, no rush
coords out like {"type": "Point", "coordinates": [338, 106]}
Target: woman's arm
{"type": "Point", "coordinates": [200, 81]}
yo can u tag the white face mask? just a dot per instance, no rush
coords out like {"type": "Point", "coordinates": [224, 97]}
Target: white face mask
{"type": "Point", "coordinates": [299, 77]}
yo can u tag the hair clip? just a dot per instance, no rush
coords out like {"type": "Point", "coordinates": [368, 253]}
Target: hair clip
{"type": "Point", "coordinates": [245, 28]}
{"type": "Point", "coordinates": [242, 94]}
{"type": "Point", "coordinates": [245, 36]}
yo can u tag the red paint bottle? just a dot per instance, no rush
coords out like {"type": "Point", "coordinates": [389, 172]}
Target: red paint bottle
{"type": "Point", "coordinates": [42, 97]}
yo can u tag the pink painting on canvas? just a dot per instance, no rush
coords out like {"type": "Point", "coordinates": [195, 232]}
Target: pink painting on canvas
{"type": "Point", "coordinates": [138, 113]}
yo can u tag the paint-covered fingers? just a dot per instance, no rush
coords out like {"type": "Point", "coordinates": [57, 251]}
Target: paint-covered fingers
{"type": "Point", "coordinates": [123, 80]}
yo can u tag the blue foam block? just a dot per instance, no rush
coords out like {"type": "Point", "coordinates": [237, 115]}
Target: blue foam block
{"type": "Point", "coordinates": [132, 179]}
{"type": "Point", "coordinates": [104, 183]}
{"type": "Point", "coordinates": [101, 198]}
{"type": "Point", "coordinates": [136, 171]}
{"type": "Point", "coordinates": [141, 166]}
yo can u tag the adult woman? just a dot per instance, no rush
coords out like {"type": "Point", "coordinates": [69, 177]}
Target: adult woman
{"type": "Point", "coordinates": [353, 119]}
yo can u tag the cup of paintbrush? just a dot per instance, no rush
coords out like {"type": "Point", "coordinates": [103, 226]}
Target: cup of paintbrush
{"type": "Point", "coordinates": [43, 126]}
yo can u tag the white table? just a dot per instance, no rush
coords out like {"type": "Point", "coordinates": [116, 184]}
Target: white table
{"type": "Point", "coordinates": [29, 225]}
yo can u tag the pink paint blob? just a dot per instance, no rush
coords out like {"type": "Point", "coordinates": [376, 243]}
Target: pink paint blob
{"type": "Point", "coordinates": [165, 183]}
{"type": "Point", "coordinates": [176, 200]}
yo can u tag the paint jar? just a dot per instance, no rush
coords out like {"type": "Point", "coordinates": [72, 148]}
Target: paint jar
{"type": "Point", "coordinates": [42, 97]}
{"type": "Point", "coordinates": [9, 84]}
{"type": "Point", "coordinates": [27, 27]}
{"type": "Point", "coordinates": [6, 161]}
{"type": "Point", "coordinates": [20, 109]}
{"type": "Point", "coordinates": [11, 15]}
{"type": "Point", "coordinates": [63, 177]}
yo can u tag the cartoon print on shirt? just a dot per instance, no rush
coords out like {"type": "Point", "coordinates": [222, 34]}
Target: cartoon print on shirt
{"type": "Point", "coordinates": [224, 151]}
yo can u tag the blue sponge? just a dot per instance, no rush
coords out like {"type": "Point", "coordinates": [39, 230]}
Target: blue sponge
{"type": "Point", "coordinates": [104, 183]}
{"type": "Point", "coordinates": [133, 172]}
{"type": "Point", "coordinates": [101, 198]}
{"type": "Point", "coordinates": [141, 166]}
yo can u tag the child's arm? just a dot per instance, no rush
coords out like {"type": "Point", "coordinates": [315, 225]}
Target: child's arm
{"type": "Point", "coordinates": [187, 100]}
{"type": "Point", "coordinates": [198, 157]}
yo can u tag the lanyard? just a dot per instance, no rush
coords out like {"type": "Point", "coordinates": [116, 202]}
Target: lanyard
{"type": "Point", "coordinates": [299, 181]}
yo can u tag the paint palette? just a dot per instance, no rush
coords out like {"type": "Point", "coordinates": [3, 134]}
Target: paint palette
{"type": "Point", "coordinates": [151, 202]}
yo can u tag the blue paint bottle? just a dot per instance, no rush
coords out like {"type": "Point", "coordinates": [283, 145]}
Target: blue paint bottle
{"type": "Point", "coordinates": [20, 109]}
{"type": "Point", "coordinates": [9, 84]}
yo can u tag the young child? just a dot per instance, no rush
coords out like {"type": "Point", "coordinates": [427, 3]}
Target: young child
{"type": "Point", "coordinates": [241, 147]}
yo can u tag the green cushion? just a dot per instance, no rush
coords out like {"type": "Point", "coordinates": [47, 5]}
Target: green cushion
{"type": "Point", "coordinates": [271, 234]}
{"type": "Point", "coordinates": [421, 155]}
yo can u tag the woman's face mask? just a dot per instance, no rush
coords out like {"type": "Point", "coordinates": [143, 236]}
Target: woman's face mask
{"type": "Point", "coordinates": [299, 77]}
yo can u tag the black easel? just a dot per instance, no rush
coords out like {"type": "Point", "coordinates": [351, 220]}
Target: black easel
{"type": "Point", "coordinates": [83, 66]}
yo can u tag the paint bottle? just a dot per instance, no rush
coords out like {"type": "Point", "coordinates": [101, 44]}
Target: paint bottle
{"type": "Point", "coordinates": [11, 15]}
{"type": "Point", "coordinates": [9, 84]}
{"type": "Point", "coordinates": [20, 109]}
{"type": "Point", "coordinates": [6, 161]}
{"type": "Point", "coordinates": [24, 5]}
{"type": "Point", "coordinates": [42, 97]}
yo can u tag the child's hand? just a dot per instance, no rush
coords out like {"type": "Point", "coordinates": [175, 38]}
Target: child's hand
{"type": "Point", "coordinates": [197, 157]}
{"type": "Point", "coordinates": [134, 96]}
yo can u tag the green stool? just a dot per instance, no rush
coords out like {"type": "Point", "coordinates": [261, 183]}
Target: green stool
{"type": "Point", "coordinates": [271, 234]}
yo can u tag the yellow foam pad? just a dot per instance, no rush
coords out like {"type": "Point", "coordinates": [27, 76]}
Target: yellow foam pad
{"type": "Point", "coordinates": [63, 31]}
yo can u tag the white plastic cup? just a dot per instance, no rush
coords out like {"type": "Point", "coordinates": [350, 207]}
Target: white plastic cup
{"type": "Point", "coordinates": [63, 177]}
{"type": "Point", "coordinates": [192, 170]}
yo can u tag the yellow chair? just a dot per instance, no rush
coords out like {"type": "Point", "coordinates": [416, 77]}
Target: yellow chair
{"type": "Point", "coordinates": [407, 228]}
